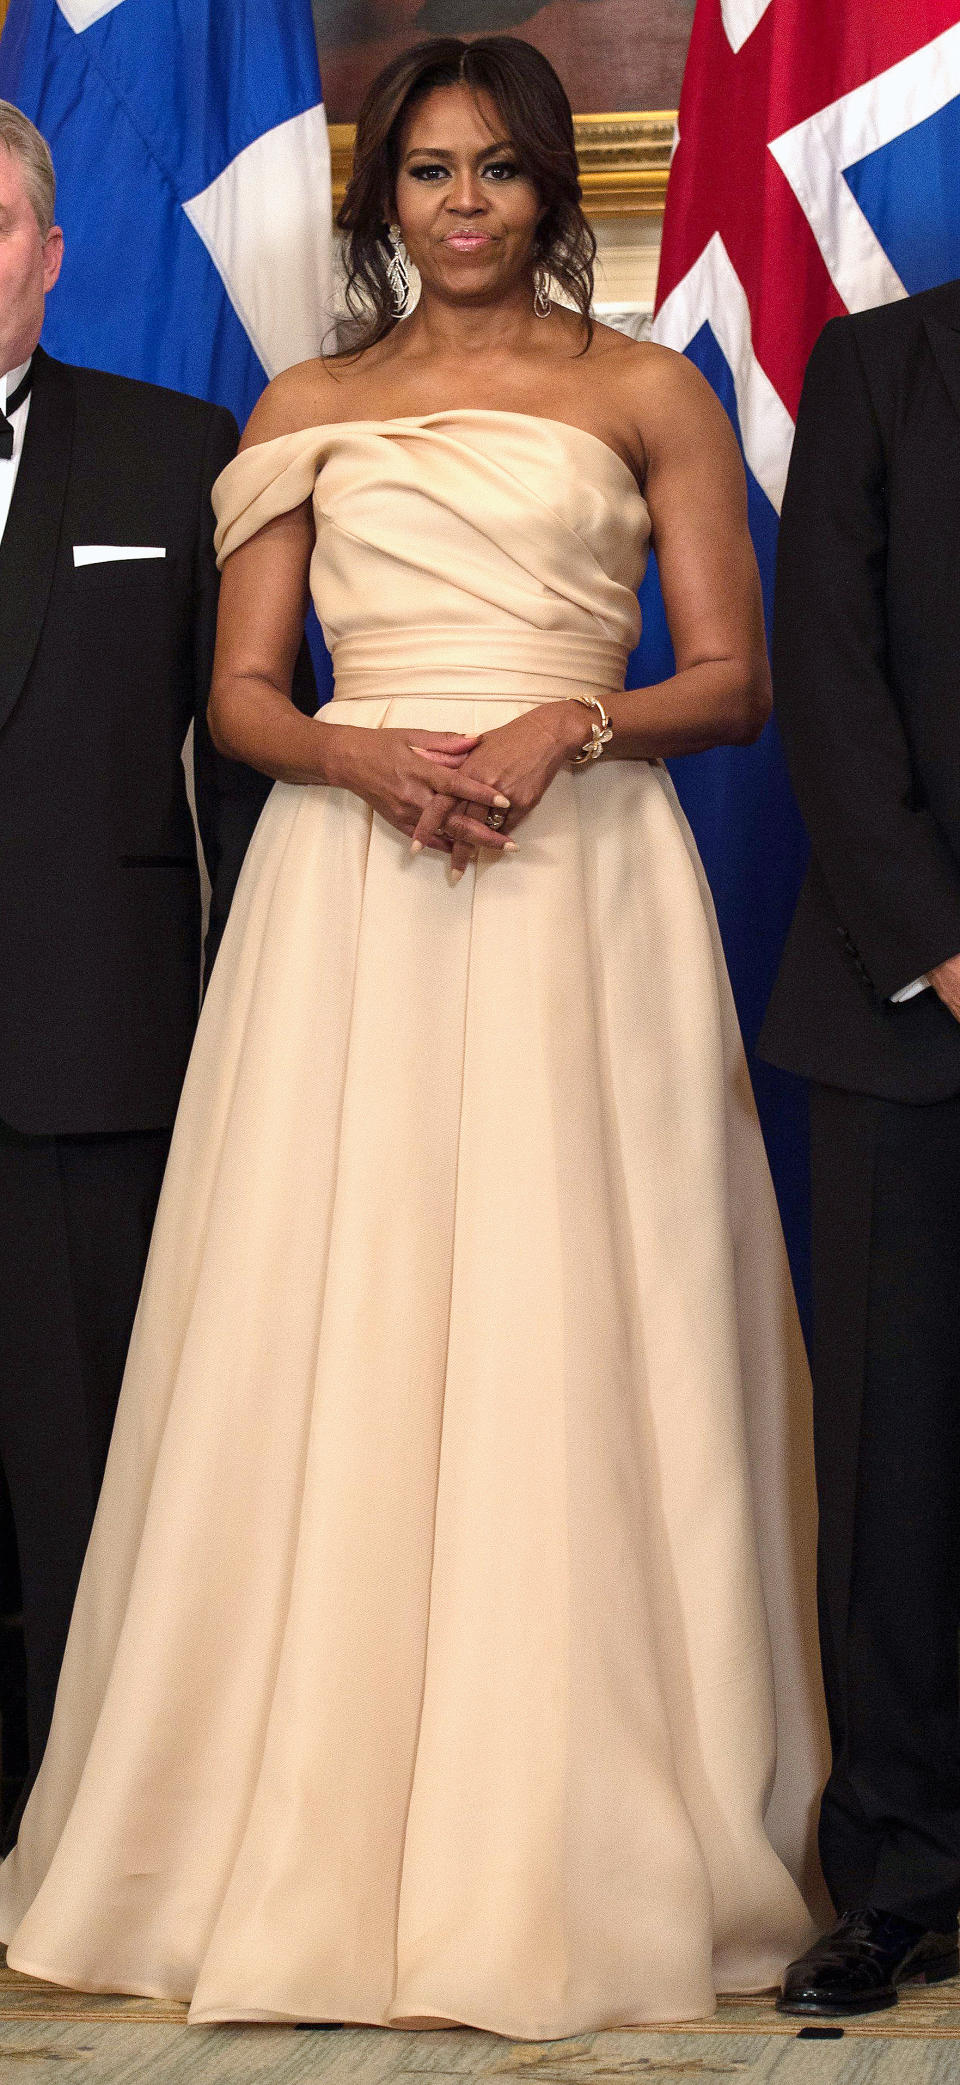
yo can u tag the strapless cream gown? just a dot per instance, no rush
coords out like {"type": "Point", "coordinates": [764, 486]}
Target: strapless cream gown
{"type": "Point", "coordinates": [421, 1666]}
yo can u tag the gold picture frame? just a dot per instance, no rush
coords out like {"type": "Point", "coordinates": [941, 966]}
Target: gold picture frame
{"type": "Point", "coordinates": [624, 161]}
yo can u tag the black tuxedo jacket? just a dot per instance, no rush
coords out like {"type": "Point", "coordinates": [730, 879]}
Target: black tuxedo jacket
{"type": "Point", "coordinates": [866, 661]}
{"type": "Point", "coordinates": [102, 668]}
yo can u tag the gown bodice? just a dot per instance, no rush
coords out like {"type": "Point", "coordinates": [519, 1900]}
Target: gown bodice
{"type": "Point", "coordinates": [465, 552]}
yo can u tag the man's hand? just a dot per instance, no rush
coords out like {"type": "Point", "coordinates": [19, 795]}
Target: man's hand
{"type": "Point", "coordinates": [945, 980]}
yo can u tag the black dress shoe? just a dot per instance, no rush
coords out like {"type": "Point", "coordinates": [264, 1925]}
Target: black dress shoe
{"type": "Point", "coordinates": [857, 1967]}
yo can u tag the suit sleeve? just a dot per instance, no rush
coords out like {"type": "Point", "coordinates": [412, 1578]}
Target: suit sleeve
{"type": "Point", "coordinates": [229, 796]}
{"type": "Point", "coordinates": [894, 882]}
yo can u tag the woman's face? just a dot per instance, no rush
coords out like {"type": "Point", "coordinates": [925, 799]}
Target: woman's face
{"type": "Point", "coordinates": [467, 214]}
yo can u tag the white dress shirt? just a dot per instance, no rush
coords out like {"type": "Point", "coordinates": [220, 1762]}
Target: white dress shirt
{"type": "Point", "coordinates": [18, 420]}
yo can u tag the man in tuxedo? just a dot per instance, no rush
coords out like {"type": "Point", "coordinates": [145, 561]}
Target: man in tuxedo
{"type": "Point", "coordinates": [867, 1007]}
{"type": "Point", "coordinates": [108, 596]}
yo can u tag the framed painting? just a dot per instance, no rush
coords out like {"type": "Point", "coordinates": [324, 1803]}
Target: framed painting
{"type": "Point", "coordinates": [624, 58]}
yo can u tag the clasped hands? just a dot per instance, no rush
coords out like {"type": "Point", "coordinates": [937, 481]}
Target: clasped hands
{"type": "Point", "coordinates": [437, 786]}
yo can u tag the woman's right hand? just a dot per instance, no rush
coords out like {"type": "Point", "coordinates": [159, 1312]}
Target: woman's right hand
{"type": "Point", "coordinates": [388, 770]}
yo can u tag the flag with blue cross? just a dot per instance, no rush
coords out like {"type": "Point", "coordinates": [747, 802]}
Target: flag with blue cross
{"type": "Point", "coordinates": [193, 177]}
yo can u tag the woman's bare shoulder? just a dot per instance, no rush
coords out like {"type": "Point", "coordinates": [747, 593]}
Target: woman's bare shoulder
{"type": "Point", "coordinates": [646, 366]}
{"type": "Point", "coordinates": [666, 399]}
{"type": "Point", "coordinates": [311, 394]}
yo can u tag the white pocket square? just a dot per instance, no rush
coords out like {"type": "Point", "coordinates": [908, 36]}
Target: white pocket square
{"type": "Point", "coordinates": [109, 553]}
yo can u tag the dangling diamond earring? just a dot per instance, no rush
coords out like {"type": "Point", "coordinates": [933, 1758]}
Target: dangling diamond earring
{"type": "Point", "coordinates": [541, 292]}
{"type": "Point", "coordinates": [397, 276]}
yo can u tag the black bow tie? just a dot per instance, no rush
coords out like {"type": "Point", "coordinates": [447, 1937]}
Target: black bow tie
{"type": "Point", "coordinates": [16, 398]}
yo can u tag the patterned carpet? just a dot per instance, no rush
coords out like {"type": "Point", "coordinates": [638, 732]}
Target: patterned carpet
{"type": "Point", "coordinates": [922, 2014]}
{"type": "Point", "coordinates": [72, 2038]}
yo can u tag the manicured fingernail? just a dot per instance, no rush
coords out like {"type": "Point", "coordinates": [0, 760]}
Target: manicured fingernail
{"type": "Point", "coordinates": [416, 846]}
{"type": "Point", "coordinates": [455, 875]}
{"type": "Point", "coordinates": [501, 803]}
{"type": "Point", "coordinates": [510, 847]}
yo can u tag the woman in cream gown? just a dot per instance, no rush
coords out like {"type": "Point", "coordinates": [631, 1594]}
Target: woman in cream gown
{"type": "Point", "coordinates": [421, 1667]}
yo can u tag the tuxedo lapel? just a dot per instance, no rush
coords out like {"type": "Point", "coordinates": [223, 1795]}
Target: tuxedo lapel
{"type": "Point", "coordinates": [28, 552]}
{"type": "Point", "coordinates": [944, 338]}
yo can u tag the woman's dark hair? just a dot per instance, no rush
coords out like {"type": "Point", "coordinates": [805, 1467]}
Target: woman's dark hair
{"type": "Point", "coordinates": [536, 117]}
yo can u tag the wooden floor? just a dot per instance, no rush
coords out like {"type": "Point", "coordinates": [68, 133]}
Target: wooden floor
{"type": "Point", "coordinates": [46, 2032]}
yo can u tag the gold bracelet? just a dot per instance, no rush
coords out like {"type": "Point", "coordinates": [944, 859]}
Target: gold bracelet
{"type": "Point", "coordinates": [600, 732]}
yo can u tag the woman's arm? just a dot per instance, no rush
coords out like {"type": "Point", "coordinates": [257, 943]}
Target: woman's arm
{"type": "Point", "coordinates": [251, 717]}
{"type": "Point", "coordinates": [696, 493]}
{"type": "Point", "coordinates": [263, 604]}
{"type": "Point", "coordinates": [259, 628]}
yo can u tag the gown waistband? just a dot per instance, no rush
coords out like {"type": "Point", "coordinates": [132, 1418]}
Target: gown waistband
{"type": "Point", "coordinates": [493, 665]}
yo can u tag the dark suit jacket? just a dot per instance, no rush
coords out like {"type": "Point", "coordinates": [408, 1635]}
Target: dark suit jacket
{"type": "Point", "coordinates": [866, 660]}
{"type": "Point", "coordinates": [102, 668]}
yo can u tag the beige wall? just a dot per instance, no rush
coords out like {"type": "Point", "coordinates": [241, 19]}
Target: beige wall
{"type": "Point", "coordinates": [628, 254]}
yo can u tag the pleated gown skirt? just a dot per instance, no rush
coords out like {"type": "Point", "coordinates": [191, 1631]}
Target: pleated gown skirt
{"type": "Point", "coordinates": [421, 1668]}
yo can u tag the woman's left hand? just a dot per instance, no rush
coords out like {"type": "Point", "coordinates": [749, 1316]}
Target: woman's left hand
{"type": "Point", "coordinates": [520, 759]}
